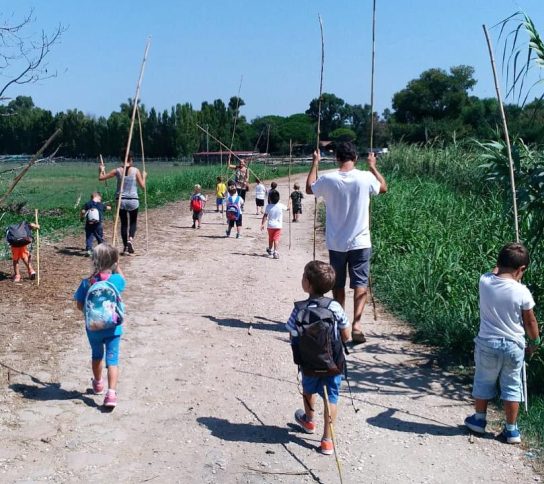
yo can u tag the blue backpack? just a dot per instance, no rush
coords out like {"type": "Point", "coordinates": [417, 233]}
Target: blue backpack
{"type": "Point", "coordinates": [103, 308]}
{"type": "Point", "coordinates": [233, 208]}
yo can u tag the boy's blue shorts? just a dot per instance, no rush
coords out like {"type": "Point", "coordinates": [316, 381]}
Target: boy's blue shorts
{"type": "Point", "coordinates": [110, 342]}
{"type": "Point", "coordinates": [498, 360]}
{"type": "Point", "coordinates": [219, 201]}
{"type": "Point", "coordinates": [314, 384]}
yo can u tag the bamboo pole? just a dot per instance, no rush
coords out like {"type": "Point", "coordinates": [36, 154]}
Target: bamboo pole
{"type": "Point", "coordinates": [372, 75]}
{"type": "Point", "coordinates": [331, 427]}
{"type": "Point", "coordinates": [32, 161]}
{"type": "Point", "coordinates": [228, 150]}
{"type": "Point", "coordinates": [130, 131]}
{"type": "Point", "coordinates": [145, 186]}
{"type": "Point", "coordinates": [319, 118]}
{"type": "Point", "coordinates": [234, 124]}
{"type": "Point", "coordinates": [505, 129]}
{"type": "Point", "coordinates": [37, 247]}
{"type": "Point", "coordinates": [291, 212]}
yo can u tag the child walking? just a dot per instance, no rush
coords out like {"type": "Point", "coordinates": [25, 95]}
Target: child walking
{"type": "Point", "coordinates": [196, 205]}
{"type": "Point", "coordinates": [220, 192]}
{"type": "Point", "coordinates": [260, 196]}
{"type": "Point", "coordinates": [506, 316]}
{"type": "Point", "coordinates": [274, 215]}
{"type": "Point", "coordinates": [235, 206]}
{"type": "Point", "coordinates": [296, 202]}
{"type": "Point", "coordinates": [19, 237]}
{"type": "Point", "coordinates": [93, 214]}
{"type": "Point", "coordinates": [105, 259]}
{"type": "Point", "coordinates": [317, 280]}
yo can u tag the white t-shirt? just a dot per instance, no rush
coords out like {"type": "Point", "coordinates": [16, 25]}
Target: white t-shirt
{"type": "Point", "coordinates": [347, 200]}
{"type": "Point", "coordinates": [260, 191]}
{"type": "Point", "coordinates": [275, 215]}
{"type": "Point", "coordinates": [501, 303]}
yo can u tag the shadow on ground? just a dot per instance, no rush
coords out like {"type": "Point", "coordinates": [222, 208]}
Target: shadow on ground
{"type": "Point", "coordinates": [238, 323]}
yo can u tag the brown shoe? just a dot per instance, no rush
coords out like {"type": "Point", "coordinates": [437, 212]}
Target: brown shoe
{"type": "Point", "coordinates": [358, 337]}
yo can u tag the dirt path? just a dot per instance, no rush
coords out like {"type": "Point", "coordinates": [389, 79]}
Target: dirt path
{"type": "Point", "coordinates": [202, 398]}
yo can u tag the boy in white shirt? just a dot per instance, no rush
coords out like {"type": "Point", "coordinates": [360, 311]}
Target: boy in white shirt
{"type": "Point", "coordinates": [274, 214]}
{"type": "Point", "coordinates": [260, 196]}
{"type": "Point", "coordinates": [506, 315]}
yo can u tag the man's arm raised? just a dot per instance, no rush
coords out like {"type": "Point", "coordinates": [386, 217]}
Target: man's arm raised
{"type": "Point", "coordinates": [372, 168]}
{"type": "Point", "coordinates": [312, 175]}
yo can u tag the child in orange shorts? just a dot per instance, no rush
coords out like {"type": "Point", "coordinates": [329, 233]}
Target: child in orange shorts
{"type": "Point", "coordinates": [274, 215]}
{"type": "Point", "coordinates": [20, 240]}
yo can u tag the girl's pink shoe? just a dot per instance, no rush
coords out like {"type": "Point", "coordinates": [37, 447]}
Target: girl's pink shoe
{"type": "Point", "coordinates": [111, 399]}
{"type": "Point", "coordinates": [98, 386]}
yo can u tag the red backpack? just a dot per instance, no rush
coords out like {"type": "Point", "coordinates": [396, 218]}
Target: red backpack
{"type": "Point", "coordinates": [197, 204]}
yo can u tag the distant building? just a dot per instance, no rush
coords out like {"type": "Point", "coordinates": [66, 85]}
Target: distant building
{"type": "Point", "coordinates": [204, 157]}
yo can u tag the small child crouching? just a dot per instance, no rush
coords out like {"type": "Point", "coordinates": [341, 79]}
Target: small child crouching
{"type": "Point", "coordinates": [105, 259]}
{"type": "Point", "coordinates": [19, 237]}
{"type": "Point", "coordinates": [319, 314]}
{"type": "Point", "coordinates": [506, 316]}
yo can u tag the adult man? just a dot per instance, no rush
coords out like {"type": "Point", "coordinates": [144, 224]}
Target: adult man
{"type": "Point", "coordinates": [347, 199]}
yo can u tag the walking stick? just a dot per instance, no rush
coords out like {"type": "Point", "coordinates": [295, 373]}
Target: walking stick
{"type": "Point", "coordinates": [37, 248]}
{"type": "Point", "coordinates": [319, 116]}
{"type": "Point", "coordinates": [292, 212]}
{"type": "Point", "coordinates": [373, 301]}
{"type": "Point", "coordinates": [130, 131]}
{"type": "Point", "coordinates": [328, 410]}
{"type": "Point", "coordinates": [145, 186]}
{"type": "Point", "coordinates": [525, 392]}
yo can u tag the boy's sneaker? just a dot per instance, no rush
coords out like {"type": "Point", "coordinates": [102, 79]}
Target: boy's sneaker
{"type": "Point", "coordinates": [327, 447]}
{"type": "Point", "coordinates": [193, 226]}
{"type": "Point", "coordinates": [227, 233]}
{"type": "Point", "coordinates": [98, 386]}
{"type": "Point", "coordinates": [111, 399]}
{"type": "Point", "coordinates": [511, 436]}
{"type": "Point", "coordinates": [32, 275]}
{"type": "Point", "coordinates": [276, 255]}
{"type": "Point", "coordinates": [301, 419]}
{"type": "Point", "coordinates": [238, 235]}
{"type": "Point", "coordinates": [269, 251]}
{"type": "Point", "coordinates": [475, 424]}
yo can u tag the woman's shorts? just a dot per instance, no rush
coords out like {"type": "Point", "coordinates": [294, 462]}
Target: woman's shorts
{"type": "Point", "coordinates": [20, 253]}
{"type": "Point", "coordinates": [314, 384]}
{"type": "Point", "coordinates": [259, 202]}
{"type": "Point", "coordinates": [498, 361]}
{"type": "Point", "coordinates": [110, 343]}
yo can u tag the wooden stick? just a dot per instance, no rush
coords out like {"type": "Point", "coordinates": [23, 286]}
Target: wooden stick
{"type": "Point", "coordinates": [319, 117]}
{"type": "Point", "coordinates": [130, 131]}
{"type": "Point", "coordinates": [505, 129]}
{"type": "Point", "coordinates": [525, 392]}
{"type": "Point", "coordinates": [372, 299]}
{"type": "Point", "coordinates": [229, 151]}
{"type": "Point", "coordinates": [37, 248]}
{"type": "Point", "coordinates": [292, 212]}
{"type": "Point", "coordinates": [234, 124]}
{"type": "Point", "coordinates": [32, 161]}
{"type": "Point", "coordinates": [328, 410]}
{"type": "Point", "coordinates": [145, 186]}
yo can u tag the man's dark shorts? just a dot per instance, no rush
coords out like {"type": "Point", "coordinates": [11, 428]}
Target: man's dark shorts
{"type": "Point", "coordinates": [358, 264]}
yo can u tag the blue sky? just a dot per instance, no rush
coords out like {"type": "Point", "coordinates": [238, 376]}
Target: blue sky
{"type": "Point", "coordinates": [201, 48]}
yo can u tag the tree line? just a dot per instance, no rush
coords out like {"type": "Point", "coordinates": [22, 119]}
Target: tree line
{"type": "Point", "coordinates": [437, 106]}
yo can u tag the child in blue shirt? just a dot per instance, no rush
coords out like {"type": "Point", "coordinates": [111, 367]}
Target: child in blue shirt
{"type": "Point", "coordinates": [105, 260]}
{"type": "Point", "coordinates": [317, 280]}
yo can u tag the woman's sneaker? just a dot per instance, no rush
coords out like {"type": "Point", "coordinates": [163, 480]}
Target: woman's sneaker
{"type": "Point", "coordinates": [130, 247]}
{"type": "Point", "coordinates": [111, 399]}
{"type": "Point", "coordinates": [98, 386]}
{"type": "Point", "coordinates": [327, 447]}
{"type": "Point", "coordinates": [475, 424]}
{"type": "Point", "coordinates": [511, 436]}
{"type": "Point", "coordinates": [302, 420]}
